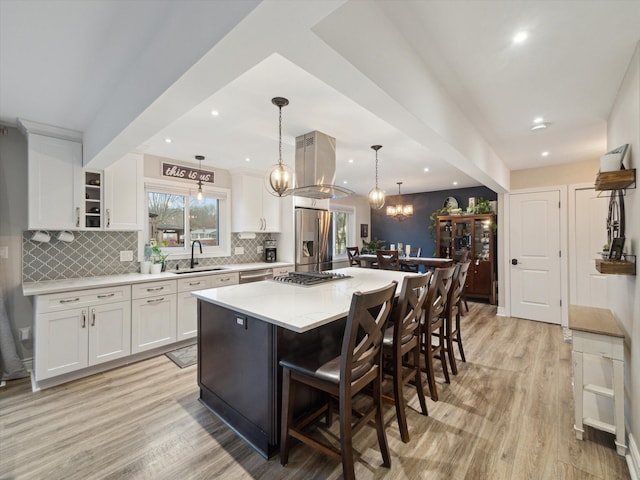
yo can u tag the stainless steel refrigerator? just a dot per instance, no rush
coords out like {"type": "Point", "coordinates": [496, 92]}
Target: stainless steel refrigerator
{"type": "Point", "coordinates": [313, 240]}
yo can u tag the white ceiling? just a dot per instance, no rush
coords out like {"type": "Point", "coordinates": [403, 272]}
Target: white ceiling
{"type": "Point", "coordinates": [438, 83]}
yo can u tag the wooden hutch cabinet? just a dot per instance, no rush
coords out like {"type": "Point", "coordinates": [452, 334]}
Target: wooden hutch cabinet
{"type": "Point", "coordinates": [475, 234]}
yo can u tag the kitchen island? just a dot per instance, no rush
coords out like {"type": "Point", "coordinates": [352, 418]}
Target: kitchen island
{"type": "Point", "coordinates": [244, 331]}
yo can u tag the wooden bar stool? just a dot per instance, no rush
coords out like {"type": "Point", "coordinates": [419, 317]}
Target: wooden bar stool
{"type": "Point", "coordinates": [388, 259]}
{"type": "Point", "coordinates": [433, 326]}
{"type": "Point", "coordinates": [358, 366]}
{"type": "Point", "coordinates": [452, 314]}
{"type": "Point", "coordinates": [403, 337]}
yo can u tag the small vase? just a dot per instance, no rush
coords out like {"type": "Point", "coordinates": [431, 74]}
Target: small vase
{"type": "Point", "coordinates": [156, 268]}
{"type": "Point", "coordinates": [145, 267]}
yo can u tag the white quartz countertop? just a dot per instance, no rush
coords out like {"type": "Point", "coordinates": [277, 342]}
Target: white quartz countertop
{"type": "Point", "coordinates": [70, 284]}
{"type": "Point", "coordinates": [299, 308]}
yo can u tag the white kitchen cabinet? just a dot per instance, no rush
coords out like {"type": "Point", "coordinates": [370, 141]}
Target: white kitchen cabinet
{"type": "Point", "coordinates": [55, 178]}
{"type": "Point", "coordinates": [188, 304]}
{"type": "Point", "coordinates": [124, 194]}
{"type": "Point", "coordinates": [254, 209]}
{"type": "Point", "coordinates": [75, 330]}
{"type": "Point", "coordinates": [153, 315]}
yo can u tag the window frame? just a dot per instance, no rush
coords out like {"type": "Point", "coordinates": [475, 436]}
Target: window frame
{"type": "Point", "coordinates": [351, 229]}
{"type": "Point", "coordinates": [223, 195]}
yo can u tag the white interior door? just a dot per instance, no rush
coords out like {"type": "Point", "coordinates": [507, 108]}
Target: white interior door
{"type": "Point", "coordinates": [534, 245]}
{"type": "Point", "coordinates": [589, 287]}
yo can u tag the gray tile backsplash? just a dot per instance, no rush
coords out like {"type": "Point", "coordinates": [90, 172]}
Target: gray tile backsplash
{"type": "Point", "coordinates": [94, 254]}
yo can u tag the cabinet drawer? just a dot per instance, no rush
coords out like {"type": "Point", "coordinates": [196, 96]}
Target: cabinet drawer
{"type": "Point", "coordinates": [152, 289]}
{"type": "Point", "coordinates": [194, 283]}
{"type": "Point", "coordinates": [57, 302]}
{"type": "Point", "coordinates": [602, 345]}
{"type": "Point", "coordinates": [282, 270]}
{"type": "Point", "coordinates": [220, 280]}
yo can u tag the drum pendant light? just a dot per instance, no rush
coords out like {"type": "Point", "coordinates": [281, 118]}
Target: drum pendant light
{"type": "Point", "coordinates": [376, 196]}
{"type": "Point", "coordinates": [281, 176]}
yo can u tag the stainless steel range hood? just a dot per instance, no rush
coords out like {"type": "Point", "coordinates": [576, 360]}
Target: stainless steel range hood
{"type": "Point", "coordinates": [316, 167]}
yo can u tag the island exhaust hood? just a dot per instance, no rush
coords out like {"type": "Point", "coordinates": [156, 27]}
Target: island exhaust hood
{"type": "Point", "coordinates": [316, 167]}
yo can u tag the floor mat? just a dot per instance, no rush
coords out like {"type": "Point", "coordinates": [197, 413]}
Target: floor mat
{"type": "Point", "coordinates": [184, 357]}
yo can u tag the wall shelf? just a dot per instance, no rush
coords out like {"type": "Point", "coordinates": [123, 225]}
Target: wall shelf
{"type": "Point", "coordinates": [616, 180]}
{"type": "Point", "coordinates": [617, 267]}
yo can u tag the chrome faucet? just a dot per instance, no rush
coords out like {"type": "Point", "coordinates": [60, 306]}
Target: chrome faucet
{"type": "Point", "coordinates": [194, 262]}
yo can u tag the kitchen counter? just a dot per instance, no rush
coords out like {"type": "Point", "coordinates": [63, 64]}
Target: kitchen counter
{"type": "Point", "coordinates": [244, 331]}
{"type": "Point", "coordinates": [71, 284]}
{"type": "Point", "coordinates": [298, 308]}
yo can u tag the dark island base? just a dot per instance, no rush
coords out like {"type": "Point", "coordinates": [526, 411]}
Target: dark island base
{"type": "Point", "coordinates": [238, 373]}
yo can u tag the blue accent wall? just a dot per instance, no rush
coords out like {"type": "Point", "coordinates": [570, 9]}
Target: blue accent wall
{"type": "Point", "coordinates": [414, 231]}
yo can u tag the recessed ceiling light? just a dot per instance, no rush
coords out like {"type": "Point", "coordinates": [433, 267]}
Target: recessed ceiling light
{"type": "Point", "coordinates": [545, 154]}
{"type": "Point", "coordinates": [344, 181]}
{"type": "Point", "coordinates": [167, 140]}
{"type": "Point", "coordinates": [351, 160]}
{"type": "Point", "coordinates": [520, 37]}
{"type": "Point", "coordinates": [455, 183]}
{"type": "Point", "coordinates": [426, 169]}
{"type": "Point", "coordinates": [247, 159]}
{"type": "Point", "coordinates": [214, 113]}
{"type": "Point", "coordinates": [538, 120]}
{"type": "Point", "coordinates": [539, 126]}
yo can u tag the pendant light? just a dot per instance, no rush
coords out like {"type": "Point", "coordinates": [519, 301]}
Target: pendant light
{"type": "Point", "coordinates": [376, 196]}
{"type": "Point", "coordinates": [199, 195]}
{"type": "Point", "coordinates": [281, 176]}
{"type": "Point", "coordinates": [400, 211]}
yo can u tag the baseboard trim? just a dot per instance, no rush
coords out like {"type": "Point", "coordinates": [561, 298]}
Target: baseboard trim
{"type": "Point", "coordinates": [28, 364]}
{"type": "Point", "coordinates": [633, 459]}
{"type": "Point", "coordinates": [501, 312]}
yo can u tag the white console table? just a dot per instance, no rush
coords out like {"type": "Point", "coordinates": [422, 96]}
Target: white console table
{"type": "Point", "coordinates": [596, 332]}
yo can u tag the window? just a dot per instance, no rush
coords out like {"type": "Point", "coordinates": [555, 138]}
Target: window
{"type": "Point", "coordinates": [176, 218]}
{"type": "Point", "coordinates": [343, 231]}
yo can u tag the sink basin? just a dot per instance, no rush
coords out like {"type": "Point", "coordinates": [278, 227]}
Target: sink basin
{"type": "Point", "coordinates": [197, 270]}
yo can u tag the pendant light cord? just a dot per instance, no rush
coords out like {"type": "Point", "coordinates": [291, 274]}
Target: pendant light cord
{"type": "Point", "coordinates": [280, 135]}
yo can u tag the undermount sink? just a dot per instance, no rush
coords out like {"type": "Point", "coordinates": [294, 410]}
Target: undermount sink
{"type": "Point", "coordinates": [198, 270]}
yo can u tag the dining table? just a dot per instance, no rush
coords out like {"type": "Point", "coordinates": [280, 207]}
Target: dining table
{"type": "Point", "coordinates": [368, 259]}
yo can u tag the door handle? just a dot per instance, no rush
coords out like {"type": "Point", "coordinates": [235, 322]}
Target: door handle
{"type": "Point", "coordinates": [514, 261]}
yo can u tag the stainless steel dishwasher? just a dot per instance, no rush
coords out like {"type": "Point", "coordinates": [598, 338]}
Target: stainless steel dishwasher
{"type": "Point", "coordinates": [256, 275]}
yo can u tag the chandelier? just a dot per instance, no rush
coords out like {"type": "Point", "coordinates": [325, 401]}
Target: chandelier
{"type": "Point", "coordinates": [400, 211]}
{"type": "Point", "coordinates": [281, 176]}
{"type": "Point", "coordinates": [376, 196]}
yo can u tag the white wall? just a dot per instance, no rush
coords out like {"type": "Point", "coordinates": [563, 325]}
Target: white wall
{"type": "Point", "coordinates": [623, 126]}
{"type": "Point", "coordinates": [13, 220]}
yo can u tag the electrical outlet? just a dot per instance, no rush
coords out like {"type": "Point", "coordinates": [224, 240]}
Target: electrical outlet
{"type": "Point", "coordinates": [126, 256]}
{"type": "Point", "coordinates": [259, 249]}
{"type": "Point", "coordinates": [239, 251]}
{"type": "Point", "coordinates": [25, 333]}
{"type": "Point", "coordinates": [4, 252]}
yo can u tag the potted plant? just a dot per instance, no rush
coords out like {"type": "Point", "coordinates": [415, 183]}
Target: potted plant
{"type": "Point", "coordinates": [373, 246]}
{"type": "Point", "coordinates": [158, 259]}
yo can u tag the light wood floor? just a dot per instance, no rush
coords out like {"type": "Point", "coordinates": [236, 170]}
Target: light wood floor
{"type": "Point", "coordinates": [508, 414]}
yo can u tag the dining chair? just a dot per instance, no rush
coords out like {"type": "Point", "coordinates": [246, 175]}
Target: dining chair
{"type": "Point", "coordinates": [433, 326]}
{"type": "Point", "coordinates": [463, 258]}
{"type": "Point", "coordinates": [402, 338]}
{"type": "Point", "coordinates": [352, 254]}
{"type": "Point", "coordinates": [388, 259]}
{"type": "Point", "coordinates": [357, 367]}
{"type": "Point", "coordinates": [453, 312]}
{"type": "Point", "coordinates": [413, 252]}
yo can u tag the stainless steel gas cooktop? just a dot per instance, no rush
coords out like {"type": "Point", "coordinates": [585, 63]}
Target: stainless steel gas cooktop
{"type": "Point", "coordinates": [308, 279]}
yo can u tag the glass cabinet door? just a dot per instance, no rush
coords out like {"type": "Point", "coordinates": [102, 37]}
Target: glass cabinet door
{"type": "Point", "coordinates": [444, 246]}
{"type": "Point", "coordinates": [482, 240]}
{"type": "Point", "coordinates": [462, 238]}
